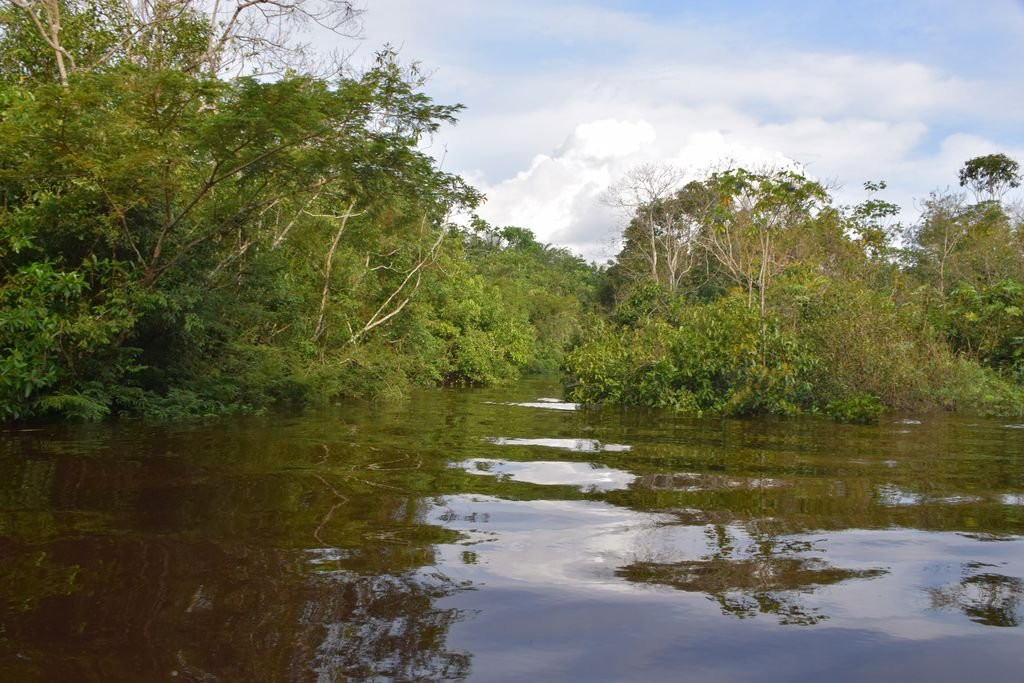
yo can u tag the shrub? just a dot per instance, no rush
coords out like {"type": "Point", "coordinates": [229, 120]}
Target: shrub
{"type": "Point", "coordinates": [722, 358]}
{"type": "Point", "coordinates": [863, 409]}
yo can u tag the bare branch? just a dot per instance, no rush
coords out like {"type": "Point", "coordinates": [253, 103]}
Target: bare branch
{"type": "Point", "coordinates": [379, 317]}
{"type": "Point", "coordinates": [260, 35]}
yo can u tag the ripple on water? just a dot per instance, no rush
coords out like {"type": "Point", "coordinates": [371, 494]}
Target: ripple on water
{"type": "Point", "coordinates": [893, 496]}
{"type": "Point", "coordinates": [579, 445]}
{"type": "Point", "coordinates": [689, 482]}
{"type": "Point", "coordinates": [542, 402]}
{"type": "Point", "coordinates": [587, 476]}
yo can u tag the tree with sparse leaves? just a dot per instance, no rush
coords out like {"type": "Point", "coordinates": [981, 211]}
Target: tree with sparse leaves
{"type": "Point", "coordinates": [991, 176]}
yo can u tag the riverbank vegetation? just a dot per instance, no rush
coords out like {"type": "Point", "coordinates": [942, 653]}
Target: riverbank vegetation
{"type": "Point", "coordinates": [195, 218]}
{"type": "Point", "coordinates": [747, 293]}
{"type": "Point", "coordinates": [175, 241]}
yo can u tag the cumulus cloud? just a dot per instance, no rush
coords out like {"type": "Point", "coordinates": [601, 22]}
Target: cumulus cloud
{"type": "Point", "coordinates": [608, 139]}
{"type": "Point", "coordinates": [560, 196]}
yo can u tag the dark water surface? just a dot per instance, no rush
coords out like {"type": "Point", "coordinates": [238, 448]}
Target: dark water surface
{"type": "Point", "coordinates": [500, 535]}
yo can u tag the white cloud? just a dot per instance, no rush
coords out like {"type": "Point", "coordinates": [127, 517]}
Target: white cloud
{"type": "Point", "coordinates": [608, 139]}
{"type": "Point", "coordinates": [558, 196]}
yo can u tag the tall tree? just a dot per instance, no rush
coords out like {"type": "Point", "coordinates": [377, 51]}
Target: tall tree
{"type": "Point", "coordinates": [760, 222]}
{"type": "Point", "coordinates": [991, 176]}
{"type": "Point", "coordinates": [641, 195]}
{"type": "Point", "coordinates": [219, 37]}
{"type": "Point", "coordinates": [163, 211]}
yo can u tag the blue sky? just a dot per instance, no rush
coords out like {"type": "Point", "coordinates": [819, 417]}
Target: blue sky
{"type": "Point", "coordinates": [564, 97]}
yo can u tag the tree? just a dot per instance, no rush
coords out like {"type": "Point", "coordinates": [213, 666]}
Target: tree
{"type": "Point", "coordinates": [761, 220]}
{"type": "Point", "coordinates": [45, 18]}
{"type": "Point", "coordinates": [991, 176]}
{"type": "Point", "coordinates": [872, 223]}
{"type": "Point", "coordinates": [960, 243]}
{"type": "Point", "coordinates": [216, 36]}
{"type": "Point", "coordinates": [660, 243]}
{"type": "Point", "coordinates": [161, 224]}
{"type": "Point", "coordinates": [937, 238]}
{"type": "Point", "coordinates": [641, 194]}
{"type": "Point", "coordinates": [686, 216]}
{"type": "Point", "coordinates": [260, 34]}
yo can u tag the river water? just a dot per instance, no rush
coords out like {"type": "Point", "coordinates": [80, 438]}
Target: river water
{"type": "Point", "coordinates": [505, 535]}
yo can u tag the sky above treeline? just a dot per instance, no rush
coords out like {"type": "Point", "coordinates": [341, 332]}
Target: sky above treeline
{"type": "Point", "coordinates": [564, 97]}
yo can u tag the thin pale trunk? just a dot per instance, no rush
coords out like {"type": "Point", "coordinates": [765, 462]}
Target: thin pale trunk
{"type": "Point", "coordinates": [279, 238]}
{"type": "Point", "coordinates": [49, 33]}
{"type": "Point", "coordinates": [763, 275]}
{"type": "Point", "coordinates": [328, 266]}
{"type": "Point", "coordinates": [59, 52]}
{"type": "Point", "coordinates": [942, 263]}
{"type": "Point", "coordinates": [654, 251]}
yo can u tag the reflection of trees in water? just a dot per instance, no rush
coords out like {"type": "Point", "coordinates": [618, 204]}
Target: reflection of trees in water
{"type": "Point", "coordinates": [949, 477]}
{"type": "Point", "coordinates": [145, 608]}
{"type": "Point", "coordinates": [383, 627]}
{"type": "Point", "coordinates": [209, 578]}
{"type": "Point", "coordinates": [765, 577]}
{"type": "Point", "coordinates": [986, 597]}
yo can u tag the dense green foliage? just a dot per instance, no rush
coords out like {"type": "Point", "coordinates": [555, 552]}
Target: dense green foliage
{"type": "Point", "coordinates": [715, 357]}
{"type": "Point", "coordinates": [174, 242]}
{"type": "Point", "coordinates": [750, 293]}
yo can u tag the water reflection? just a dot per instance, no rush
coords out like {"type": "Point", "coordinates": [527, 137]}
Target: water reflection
{"type": "Point", "coordinates": [759, 574]}
{"type": "Point", "coordinates": [578, 445]}
{"type": "Point", "coordinates": [586, 476]}
{"type": "Point", "coordinates": [547, 404]}
{"type": "Point", "coordinates": [383, 628]}
{"type": "Point", "coordinates": [984, 596]}
{"type": "Point", "coordinates": [128, 567]}
{"type": "Point", "coordinates": [387, 542]}
{"type": "Point", "coordinates": [545, 542]}
{"type": "Point", "coordinates": [688, 482]}
{"type": "Point", "coordinates": [157, 608]}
